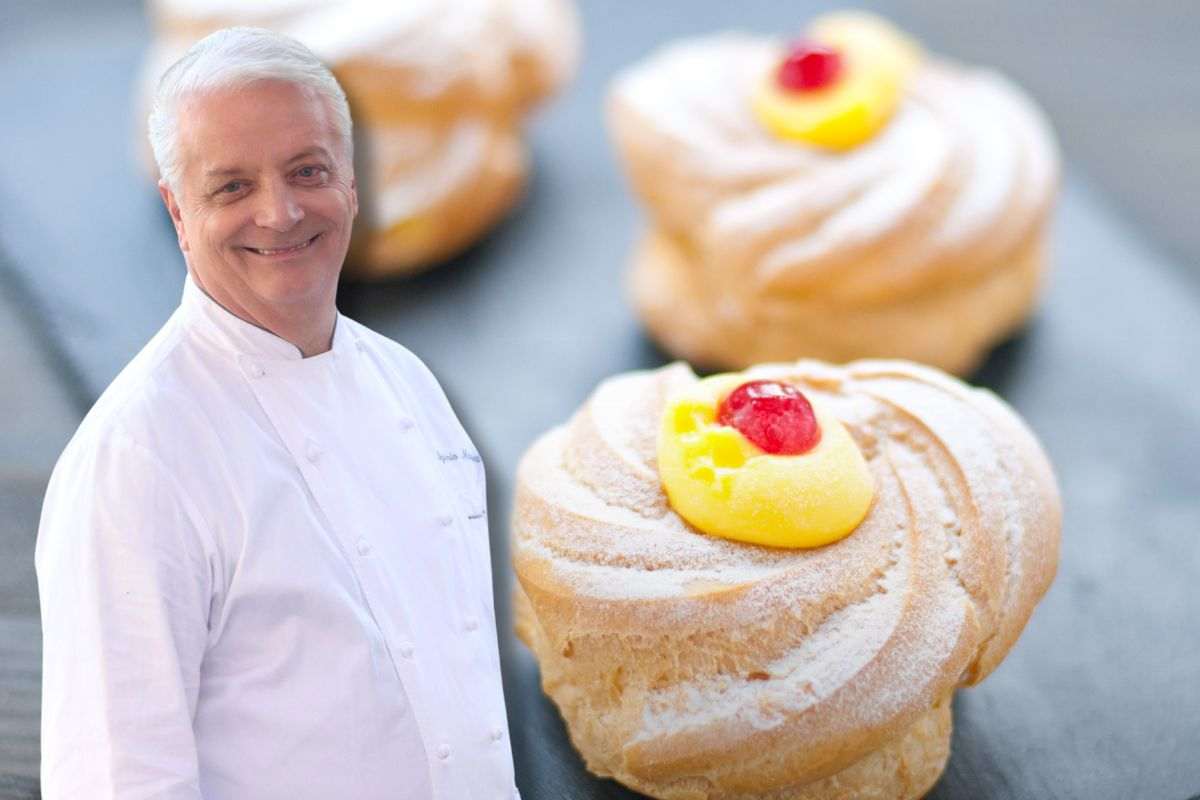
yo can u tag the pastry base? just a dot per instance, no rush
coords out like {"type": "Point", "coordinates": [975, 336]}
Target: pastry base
{"type": "Point", "coordinates": [446, 228]}
{"type": "Point", "coordinates": [951, 326]}
{"type": "Point", "coordinates": [904, 768]}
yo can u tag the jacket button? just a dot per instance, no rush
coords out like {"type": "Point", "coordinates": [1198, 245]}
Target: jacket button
{"type": "Point", "coordinates": [443, 751]}
{"type": "Point", "coordinates": [364, 547]}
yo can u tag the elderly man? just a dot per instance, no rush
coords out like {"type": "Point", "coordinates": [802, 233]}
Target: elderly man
{"type": "Point", "coordinates": [263, 558]}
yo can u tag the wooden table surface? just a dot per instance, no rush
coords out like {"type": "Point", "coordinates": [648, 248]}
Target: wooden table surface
{"type": "Point", "coordinates": [1101, 696]}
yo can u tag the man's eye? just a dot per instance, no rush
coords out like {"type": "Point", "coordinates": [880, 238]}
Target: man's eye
{"type": "Point", "coordinates": [231, 187]}
{"type": "Point", "coordinates": [309, 172]}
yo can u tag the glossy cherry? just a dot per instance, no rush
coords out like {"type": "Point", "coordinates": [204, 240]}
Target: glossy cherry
{"type": "Point", "coordinates": [809, 66]}
{"type": "Point", "coordinates": [776, 416]}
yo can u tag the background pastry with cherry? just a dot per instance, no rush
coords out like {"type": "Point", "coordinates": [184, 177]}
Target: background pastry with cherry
{"type": "Point", "coordinates": [439, 90]}
{"type": "Point", "coordinates": [770, 584]}
{"type": "Point", "coordinates": [846, 195]}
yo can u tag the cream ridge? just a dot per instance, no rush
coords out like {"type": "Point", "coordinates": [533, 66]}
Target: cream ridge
{"type": "Point", "coordinates": [693, 667]}
{"type": "Point", "coordinates": [925, 242]}
{"type": "Point", "coordinates": [439, 90]}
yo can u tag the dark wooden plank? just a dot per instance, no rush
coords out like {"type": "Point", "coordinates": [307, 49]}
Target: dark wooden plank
{"type": "Point", "coordinates": [20, 706]}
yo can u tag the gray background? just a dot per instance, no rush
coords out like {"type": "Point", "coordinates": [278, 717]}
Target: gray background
{"type": "Point", "coordinates": [1099, 699]}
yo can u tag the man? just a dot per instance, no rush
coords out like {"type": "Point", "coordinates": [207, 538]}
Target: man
{"type": "Point", "coordinates": [263, 558]}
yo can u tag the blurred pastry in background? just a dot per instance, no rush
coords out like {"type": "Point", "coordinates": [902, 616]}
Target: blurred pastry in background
{"type": "Point", "coordinates": [842, 196]}
{"type": "Point", "coordinates": [770, 584]}
{"type": "Point", "coordinates": [439, 90]}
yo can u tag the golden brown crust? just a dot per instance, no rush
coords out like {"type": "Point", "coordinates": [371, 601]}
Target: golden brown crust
{"type": "Point", "coordinates": [438, 90]}
{"type": "Point", "coordinates": [693, 667]}
{"type": "Point", "coordinates": [924, 243]}
{"type": "Point", "coordinates": [451, 220]}
{"type": "Point", "coordinates": [951, 327]}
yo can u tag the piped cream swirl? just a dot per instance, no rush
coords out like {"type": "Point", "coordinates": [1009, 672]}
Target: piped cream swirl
{"type": "Point", "coordinates": [438, 89]}
{"type": "Point", "coordinates": [691, 666]}
{"type": "Point", "coordinates": [950, 197]}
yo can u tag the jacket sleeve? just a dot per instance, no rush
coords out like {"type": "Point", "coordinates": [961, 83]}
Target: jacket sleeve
{"type": "Point", "coordinates": [125, 581]}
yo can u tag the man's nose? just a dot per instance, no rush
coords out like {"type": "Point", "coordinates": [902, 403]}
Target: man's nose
{"type": "Point", "coordinates": [277, 208]}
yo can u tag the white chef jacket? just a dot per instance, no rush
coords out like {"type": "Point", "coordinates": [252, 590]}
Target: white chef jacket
{"type": "Point", "coordinates": [266, 576]}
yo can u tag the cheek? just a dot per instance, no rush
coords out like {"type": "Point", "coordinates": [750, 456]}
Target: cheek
{"type": "Point", "coordinates": [221, 229]}
{"type": "Point", "coordinates": [338, 206]}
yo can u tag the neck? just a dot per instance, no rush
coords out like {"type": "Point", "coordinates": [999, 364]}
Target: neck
{"type": "Point", "coordinates": [309, 331]}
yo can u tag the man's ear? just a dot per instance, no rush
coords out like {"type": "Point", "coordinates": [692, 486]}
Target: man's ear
{"type": "Point", "coordinates": [354, 197]}
{"type": "Point", "coordinates": [168, 198]}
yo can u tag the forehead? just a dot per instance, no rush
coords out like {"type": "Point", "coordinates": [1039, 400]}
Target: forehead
{"type": "Point", "coordinates": [253, 126]}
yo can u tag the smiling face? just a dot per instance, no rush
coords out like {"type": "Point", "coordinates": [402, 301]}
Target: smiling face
{"type": "Point", "coordinates": [264, 202]}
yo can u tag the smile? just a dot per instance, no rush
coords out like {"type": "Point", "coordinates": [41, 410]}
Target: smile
{"type": "Point", "coordinates": [283, 251]}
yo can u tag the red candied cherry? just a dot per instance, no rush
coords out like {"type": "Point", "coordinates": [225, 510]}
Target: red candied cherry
{"type": "Point", "coordinates": [776, 416]}
{"type": "Point", "coordinates": [809, 66]}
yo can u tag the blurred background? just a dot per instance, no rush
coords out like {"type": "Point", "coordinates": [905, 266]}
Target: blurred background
{"type": "Point", "coordinates": [524, 324]}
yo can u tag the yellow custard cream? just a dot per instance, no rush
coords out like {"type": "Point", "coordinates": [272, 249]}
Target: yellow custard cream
{"type": "Point", "coordinates": [724, 485]}
{"type": "Point", "coordinates": [874, 62]}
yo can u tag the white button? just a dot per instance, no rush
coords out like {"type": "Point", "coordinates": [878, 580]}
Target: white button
{"type": "Point", "coordinates": [443, 751]}
{"type": "Point", "coordinates": [312, 451]}
{"type": "Point", "coordinates": [406, 651]}
{"type": "Point", "coordinates": [471, 624]}
{"type": "Point", "coordinates": [257, 370]}
{"type": "Point", "coordinates": [445, 520]}
{"type": "Point", "coordinates": [497, 733]}
{"type": "Point", "coordinates": [405, 423]}
{"type": "Point", "coordinates": [364, 547]}
{"type": "Point", "coordinates": [361, 345]}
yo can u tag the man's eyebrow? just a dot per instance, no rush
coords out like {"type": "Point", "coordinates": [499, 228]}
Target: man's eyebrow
{"type": "Point", "coordinates": [218, 172]}
{"type": "Point", "coordinates": [315, 150]}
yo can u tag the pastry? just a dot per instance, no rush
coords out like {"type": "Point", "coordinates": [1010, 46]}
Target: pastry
{"type": "Point", "coordinates": [843, 197]}
{"type": "Point", "coordinates": [770, 584]}
{"type": "Point", "coordinates": [438, 90]}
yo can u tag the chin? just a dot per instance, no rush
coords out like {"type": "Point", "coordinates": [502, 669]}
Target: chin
{"type": "Point", "coordinates": [299, 283]}
{"type": "Point", "coordinates": [305, 279]}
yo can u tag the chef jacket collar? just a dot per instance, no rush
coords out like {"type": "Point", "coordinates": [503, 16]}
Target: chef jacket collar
{"type": "Point", "coordinates": [242, 337]}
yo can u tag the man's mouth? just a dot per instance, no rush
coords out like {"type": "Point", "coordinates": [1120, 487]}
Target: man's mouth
{"type": "Point", "coordinates": [283, 251]}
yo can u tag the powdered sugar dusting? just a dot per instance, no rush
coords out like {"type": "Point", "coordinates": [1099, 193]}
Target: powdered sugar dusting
{"type": "Point", "coordinates": [953, 184]}
{"type": "Point", "coordinates": [870, 631]}
{"type": "Point", "coordinates": [427, 165]}
{"type": "Point", "coordinates": [448, 76]}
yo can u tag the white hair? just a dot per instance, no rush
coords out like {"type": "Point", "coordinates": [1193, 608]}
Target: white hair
{"type": "Point", "coordinates": [231, 58]}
